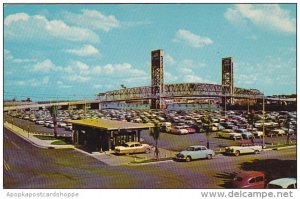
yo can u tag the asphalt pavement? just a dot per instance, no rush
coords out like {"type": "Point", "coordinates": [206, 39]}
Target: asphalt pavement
{"type": "Point", "coordinates": [26, 166]}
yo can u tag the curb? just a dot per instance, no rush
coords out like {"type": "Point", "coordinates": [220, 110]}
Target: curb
{"type": "Point", "coordinates": [280, 148]}
{"type": "Point", "coordinates": [33, 143]}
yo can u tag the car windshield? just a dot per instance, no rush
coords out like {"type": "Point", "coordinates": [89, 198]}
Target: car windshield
{"type": "Point", "coordinates": [190, 149]}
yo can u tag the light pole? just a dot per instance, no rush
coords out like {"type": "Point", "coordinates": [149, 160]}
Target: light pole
{"type": "Point", "coordinates": [264, 121]}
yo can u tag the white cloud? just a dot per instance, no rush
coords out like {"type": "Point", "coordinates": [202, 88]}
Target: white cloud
{"type": "Point", "coordinates": [264, 15]}
{"type": "Point", "coordinates": [45, 80]}
{"type": "Point", "coordinates": [191, 78]}
{"type": "Point", "coordinates": [97, 86]}
{"type": "Point", "coordinates": [169, 59]}
{"type": "Point", "coordinates": [79, 78]}
{"type": "Point", "coordinates": [44, 66]}
{"type": "Point", "coordinates": [24, 26]}
{"type": "Point", "coordinates": [86, 50]}
{"type": "Point", "coordinates": [92, 19]}
{"type": "Point", "coordinates": [192, 39]}
{"type": "Point", "coordinates": [81, 66]}
{"type": "Point", "coordinates": [15, 17]}
{"type": "Point", "coordinates": [9, 56]}
{"type": "Point", "coordinates": [170, 78]}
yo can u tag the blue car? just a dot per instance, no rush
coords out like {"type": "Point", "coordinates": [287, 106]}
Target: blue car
{"type": "Point", "coordinates": [195, 152]}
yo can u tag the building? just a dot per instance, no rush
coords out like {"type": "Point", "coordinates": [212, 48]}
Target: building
{"type": "Point", "coordinates": [103, 134]}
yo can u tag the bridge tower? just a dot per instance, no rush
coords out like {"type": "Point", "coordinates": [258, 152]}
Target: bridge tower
{"type": "Point", "coordinates": [227, 81]}
{"type": "Point", "coordinates": [157, 78]}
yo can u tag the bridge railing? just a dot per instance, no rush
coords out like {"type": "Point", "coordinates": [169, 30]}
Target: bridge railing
{"type": "Point", "coordinates": [179, 90]}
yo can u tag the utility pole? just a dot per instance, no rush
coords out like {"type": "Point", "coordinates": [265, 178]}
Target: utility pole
{"type": "Point", "coordinates": [264, 121]}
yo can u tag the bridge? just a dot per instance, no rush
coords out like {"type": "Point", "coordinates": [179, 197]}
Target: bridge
{"type": "Point", "coordinates": [67, 104]}
{"type": "Point", "coordinates": [160, 94]}
{"type": "Point", "coordinates": [178, 91]}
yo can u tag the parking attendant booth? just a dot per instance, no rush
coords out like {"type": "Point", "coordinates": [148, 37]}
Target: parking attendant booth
{"type": "Point", "coordinates": [103, 134]}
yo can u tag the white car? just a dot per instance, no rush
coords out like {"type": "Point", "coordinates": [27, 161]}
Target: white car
{"type": "Point", "coordinates": [40, 122]}
{"type": "Point", "coordinates": [283, 183]}
{"type": "Point", "coordinates": [132, 147]}
{"type": "Point", "coordinates": [179, 130]}
{"type": "Point", "coordinates": [243, 148]}
{"type": "Point", "coordinates": [227, 133]}
{"type": "Point", "coordinates": [276, 132]}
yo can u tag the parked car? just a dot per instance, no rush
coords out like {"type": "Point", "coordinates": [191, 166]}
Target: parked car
{"type": "Point", "coordinates": [283, 183]}
{"type": "Point", "coordinates": [257, 134]}
{"type": "Point", "coordinates": [276, 132]}
{"type": "Point", "coordinates": [195, 152]}
{"type": "Point", "coordinates": [179, 130]}
{"type": "Point", "coordinates": [245, 133]}
{"type": "Point", "coordinates": [227, 133]}
{"type": "Point", "coordinates": [243, 148]}
{"type": "Point", "coordinates": [132, 147]}
{"type": "Point", "coordinates": [40, 122]}
{"type": "Point", "coordinates": [249, 180]}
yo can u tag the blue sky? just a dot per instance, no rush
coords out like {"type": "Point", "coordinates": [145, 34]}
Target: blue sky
{"type": "Point", "coordinates": [76, 51]}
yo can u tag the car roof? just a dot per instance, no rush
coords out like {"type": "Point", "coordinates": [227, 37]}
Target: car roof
{"type": "Point", "coordinates": [132, 143]}
{"type": "Point", "coordinates": [250, 174]}
{"type": "Point", "coordinates": [283, 181]}
{"type": "Point", "coordinates": [197, 146]}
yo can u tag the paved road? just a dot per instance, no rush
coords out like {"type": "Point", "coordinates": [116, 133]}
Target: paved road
{"type": "Point", "coordinates": [26, 166]}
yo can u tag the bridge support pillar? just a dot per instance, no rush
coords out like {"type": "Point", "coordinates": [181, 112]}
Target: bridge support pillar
{"type": "Point", "coordinates": [157, 78]}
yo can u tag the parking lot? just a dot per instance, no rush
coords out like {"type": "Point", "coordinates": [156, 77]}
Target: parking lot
{"type": "Point", "coordinates": [195, 120]}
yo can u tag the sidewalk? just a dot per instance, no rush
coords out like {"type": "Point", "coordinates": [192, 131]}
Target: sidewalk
{"type": "Point", "coordinates": [107, 157]}
{"type": "Point", "coordinates": [46, 144]}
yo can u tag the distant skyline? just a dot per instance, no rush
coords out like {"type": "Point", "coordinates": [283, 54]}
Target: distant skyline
{"type": "Point", "coordinates": [58, 51]}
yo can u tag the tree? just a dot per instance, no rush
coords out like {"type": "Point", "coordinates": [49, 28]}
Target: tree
{"type": "Point", "coordinates": [207, 128]}
{"type": "Point", "coordinates": [287, 125]}
{"type": "Point", "coordinates": [53, 113]}
{"type": "Point", "coordinates": [154, 132]}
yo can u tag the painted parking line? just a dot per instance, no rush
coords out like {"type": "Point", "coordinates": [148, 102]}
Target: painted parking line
{"type": "Point", "coordinates": [17, 146]}
{"type": "Point", "coordinates": [6, 166]}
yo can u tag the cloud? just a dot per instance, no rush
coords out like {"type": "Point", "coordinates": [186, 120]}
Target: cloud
{"type": "Point", "coordinates": [86, 50]}
{"type": "Point", "coordinates": [81, 66]}
{"type": "Point", "coordinates": [263, 15]}
{"type": "Point", "coordinates": [45, 80]}
{"type": "Point", "coordinates": [191, 39]}
{"type": "Point", "coordinates": [23, 26]}
{"type": "Point", "coordinates": [92, 19]}
{"type": "Point", "coordinates": [79, 78]}
{"type": "Point", "coordinates": [9, 57]}
{"type": "Point", "coordinates": [191, 78]}
{"type": "Point", "coordinates": [169, 59]}
{"type": "Point", "coordinates": [44, 66]}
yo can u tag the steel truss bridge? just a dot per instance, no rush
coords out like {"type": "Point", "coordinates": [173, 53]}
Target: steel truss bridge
{"type": "Point", "coordinates": [179, 90]}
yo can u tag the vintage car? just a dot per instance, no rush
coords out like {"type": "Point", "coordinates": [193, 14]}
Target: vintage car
{"type": "Point", "coordinates": [283, 183]}
{"type": "Point", "coordinates": [243, 148]}
{"type": "Point", "coordinates": [195, 152]}
{"type": "Point", "coordinates": [245, 133]}
{"type": "Point", "coordinates": [132, 147]}
{"type": "Point", "coordinates": [227, 133]}
{"type": "Point", "coordinates": [276, 132]}
{"type": "Point", "coordinates": [249, 180]}
{"type": "Point", "coordinates": [178, 130]}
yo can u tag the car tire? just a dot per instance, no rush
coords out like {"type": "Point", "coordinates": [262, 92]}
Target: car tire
{"type": "Point", "coordinates": [237, 153]}
{"type": "Point", "coordinates": [188, 159]}
{"type": "Point", "coordinates": [209, 156]}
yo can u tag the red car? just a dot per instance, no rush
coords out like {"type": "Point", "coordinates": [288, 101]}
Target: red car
{"type": "Point", "coordinates": [191, 130]}
{"type": "Point", "coordinates": [249, 180]}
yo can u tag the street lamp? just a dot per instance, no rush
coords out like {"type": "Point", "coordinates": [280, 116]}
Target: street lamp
{"type": "Point", "coordinates": [264, 121]}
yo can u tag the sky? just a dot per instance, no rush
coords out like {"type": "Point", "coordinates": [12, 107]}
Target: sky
{"type": "Point", "coordinates": [74, 51]}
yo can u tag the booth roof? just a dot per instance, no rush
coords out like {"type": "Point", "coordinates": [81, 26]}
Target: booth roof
{"type": "Point", "coordinates": [110, 124]}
